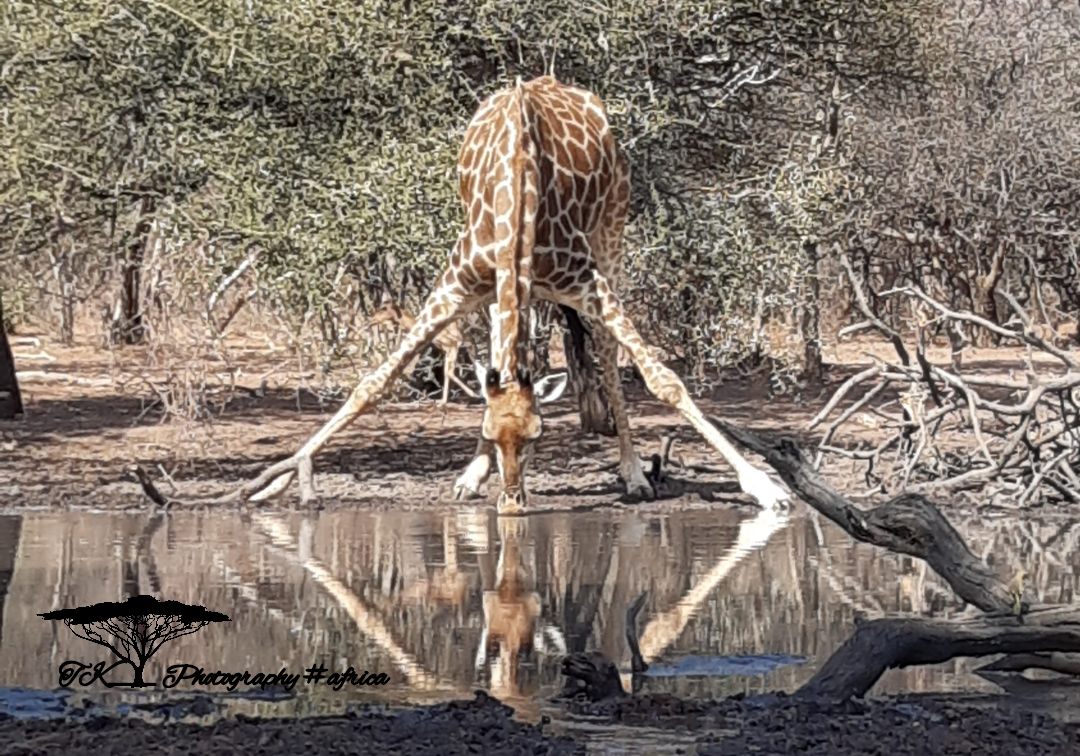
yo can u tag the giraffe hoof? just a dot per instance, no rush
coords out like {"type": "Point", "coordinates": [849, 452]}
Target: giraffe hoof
{"type": "Point", "coordinates": [638, 485]}
{"type": "Point", "coordinates": [768, 494]}
{"type": "Point", "coordinates": [464, 492]}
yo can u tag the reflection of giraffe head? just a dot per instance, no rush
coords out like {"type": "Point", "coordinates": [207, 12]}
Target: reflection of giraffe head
{"type": "Point", "coordinates": [512, 423]}
{"type": "Point", "coordinates": [513, 627]}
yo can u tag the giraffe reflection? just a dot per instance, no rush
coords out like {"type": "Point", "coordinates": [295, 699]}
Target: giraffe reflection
{"type": "Point", "coordinates": [513, 630]}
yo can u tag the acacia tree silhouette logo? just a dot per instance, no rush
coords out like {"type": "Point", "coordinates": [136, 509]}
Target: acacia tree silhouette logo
{"type": "Point", "coordinates": [133, 630]}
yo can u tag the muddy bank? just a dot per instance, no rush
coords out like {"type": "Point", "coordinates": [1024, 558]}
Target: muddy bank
{"type": "Point", "coordinates": [461, 727]}
{"type": "Point", "coordinates": [763, 725]}
{"type": "Point", "coordinates": [917, 724]}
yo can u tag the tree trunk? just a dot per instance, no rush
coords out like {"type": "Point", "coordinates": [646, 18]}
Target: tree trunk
{"type": "Point", "coordinates": [985, 301]}
{"type": "Point", "coordinates": [10, 398]}
{"type": "Point", "coordinates": [592, 402]}
{"type": "Point", "coordinates": [128, 326]}
{"type": "Point", "coordinates": [138, 682]}
{"type": "Point", "coordinates": [810, 323]}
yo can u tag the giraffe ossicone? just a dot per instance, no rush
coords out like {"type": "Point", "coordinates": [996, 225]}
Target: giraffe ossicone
{"type": "Point", "coordinates": [545, 192]}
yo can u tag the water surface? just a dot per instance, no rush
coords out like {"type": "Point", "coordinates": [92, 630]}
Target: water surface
{"type": "Point", "coordinates": [448, 602]}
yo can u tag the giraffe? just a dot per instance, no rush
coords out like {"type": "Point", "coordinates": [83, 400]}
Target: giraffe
{"type": "Point", "coordinates": [546, 192]}
{"type": "Point", "coordinates": [513, 625]}
{"type": "Point", "coordinates": [449, 341]}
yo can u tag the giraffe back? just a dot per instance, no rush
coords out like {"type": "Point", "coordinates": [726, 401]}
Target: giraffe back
{"type": "Point", "coordinates": [559, 139]}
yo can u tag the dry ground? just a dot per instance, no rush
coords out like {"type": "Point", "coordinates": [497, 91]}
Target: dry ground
{"type": "Point", "coordinates": [73, 445]}
{"type": "Point", "coordinates": [87, 419]}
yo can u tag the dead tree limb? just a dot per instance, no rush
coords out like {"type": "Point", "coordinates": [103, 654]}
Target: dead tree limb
{"type": "Point", "coordinates": [912, 524]}
{"type": "Point", "coordinates": [1027, 431]}
{"type": "Point", "coordinates": [883, 644]}
{"type": "Point", "coordinates": [907, 524]}
{"type": "Point", "coordinates": [1054, 662]}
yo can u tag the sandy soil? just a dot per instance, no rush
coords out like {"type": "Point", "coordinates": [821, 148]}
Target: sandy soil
{"type": "Point", "coordinates": [76, 440]}
{"type": "Point", "coordinates": [72, 448]}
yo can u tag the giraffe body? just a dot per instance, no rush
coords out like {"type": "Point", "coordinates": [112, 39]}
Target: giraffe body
{"type": "Point", "coordinates": [546, 193]}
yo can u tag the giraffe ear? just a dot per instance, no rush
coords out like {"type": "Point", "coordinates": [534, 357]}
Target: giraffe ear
{"type": "Point", "coordinates": [481, 376]}
{"type": "Point", "coordinates": [550, 387]}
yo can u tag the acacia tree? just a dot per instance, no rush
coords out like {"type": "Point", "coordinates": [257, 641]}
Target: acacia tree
{"type": "Point", "coordinates": [327, 136]}
{"type": "Point", "coordinates": [969, 191]}
{"type": "Point", "coordinates": [136, 629]}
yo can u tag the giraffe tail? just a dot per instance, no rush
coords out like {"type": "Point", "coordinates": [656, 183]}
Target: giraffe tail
{"type": "Point", "coordinates": [528, 196]}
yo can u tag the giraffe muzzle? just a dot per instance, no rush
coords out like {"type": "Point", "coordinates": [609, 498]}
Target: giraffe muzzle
{"type": "Point", "coordinates": [512, 501]}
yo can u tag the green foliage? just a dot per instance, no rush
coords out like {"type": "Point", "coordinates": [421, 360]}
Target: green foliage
{"type": "Point", "coordinates": [325, 133]}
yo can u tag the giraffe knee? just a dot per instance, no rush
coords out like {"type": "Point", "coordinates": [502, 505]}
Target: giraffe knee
{"type": "Point", "coordinates": [666, 386]}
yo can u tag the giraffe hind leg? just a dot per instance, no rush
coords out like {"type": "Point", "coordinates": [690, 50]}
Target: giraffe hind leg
{"type": "Point", "coordinates": [449, 364]}
{"type": "Point", "coordinates": [630, 469]}
{"type": "Point", "coordinates": [601, 303]}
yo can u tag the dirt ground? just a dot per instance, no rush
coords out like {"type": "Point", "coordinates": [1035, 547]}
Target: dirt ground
{"type": "Point", "coordinates": [86, 422]}
{"type": "Point", "coordinates": [88, 418]}
{"type": "Point", "coordinates": [763, 725]}
{"type": "Point", "coordinates": [80, 433]}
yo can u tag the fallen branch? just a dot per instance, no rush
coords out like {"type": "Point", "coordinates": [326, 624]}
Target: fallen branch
{"type": "Point", "coordinates": [1054, 662]}
{"type": "Point", "coordinates": [884, 644]}
{"type": "Point", "coordinates": [911, 524]}
{"type": "Point", "coordinates": [907, 524]}
{"type": "Point", "coordinates": [1025, 431]}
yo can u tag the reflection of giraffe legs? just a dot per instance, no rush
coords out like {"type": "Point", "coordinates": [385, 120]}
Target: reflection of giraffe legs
{"type": "Point", "coordinates": [601, 303]}
{"type": "Point", "coordinates": [665, 628]}
{"type": "Point", "coordinates": [607, 350]}
{"type": "Point", "coordinates": [443, 305]}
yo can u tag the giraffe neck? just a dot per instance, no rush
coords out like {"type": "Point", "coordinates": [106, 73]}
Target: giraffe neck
{"type": "Point", "coordinates": [515, 210]}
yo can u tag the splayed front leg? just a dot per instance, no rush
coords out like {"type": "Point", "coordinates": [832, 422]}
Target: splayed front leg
{"type": "Point", "coordinates": [468, 484]}
{"type": "Point", "coordinates": [448, 301]}
{"type": "Point", "coordinates": [603, 304]}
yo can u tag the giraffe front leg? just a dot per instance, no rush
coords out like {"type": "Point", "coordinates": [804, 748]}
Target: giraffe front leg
{"type": "Point", "coordinates": [468, 484]}
{"type": "Point", "coordinates": [443, 305]}
{"type": "Point", "coordinates": [630, 469]}
{"type": "Point", "coordinates": [601, 303]}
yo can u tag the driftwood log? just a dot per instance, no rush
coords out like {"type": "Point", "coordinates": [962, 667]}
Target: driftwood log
{"type": "Point", "coordinates": [10, 398]}
{"type": "Point", "coordinates": [591, 675]}
{"type": "Point", "coordinates": [1030, 636]}
{"type": "Point", "coordinates": [883, 644]}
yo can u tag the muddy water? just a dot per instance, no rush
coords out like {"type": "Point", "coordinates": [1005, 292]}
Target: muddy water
{"type": "Point", "coordinates": [445, 603]}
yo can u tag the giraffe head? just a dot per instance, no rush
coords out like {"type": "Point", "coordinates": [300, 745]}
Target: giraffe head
{"type": "Point", "coordinates": [512, 423]}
